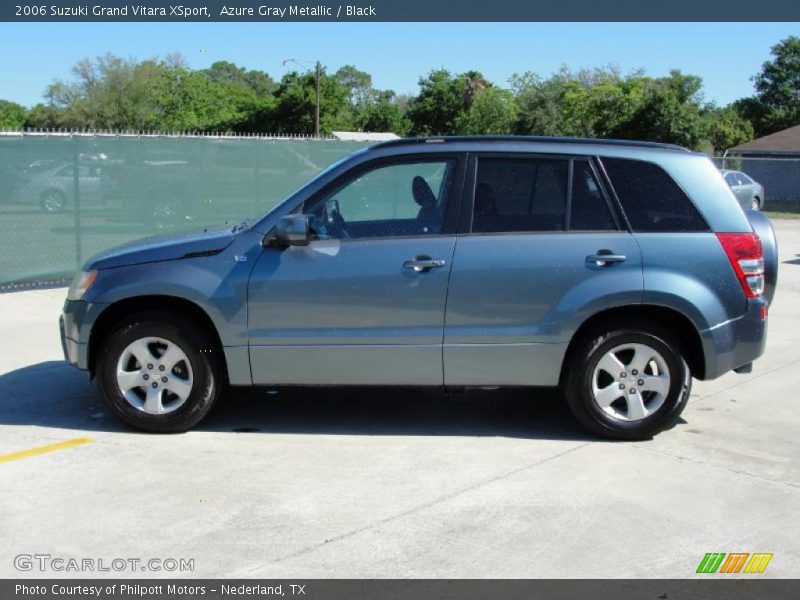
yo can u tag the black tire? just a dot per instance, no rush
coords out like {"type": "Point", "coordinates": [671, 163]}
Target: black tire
{"type": "Point", "coordinates": [198, 346]}
{"type": "Point", "coordinates": [53, 201]}
{"type": "Point", "coordinates": [755, 203]}
{"type": "Point", "coordinates": [592, 347]}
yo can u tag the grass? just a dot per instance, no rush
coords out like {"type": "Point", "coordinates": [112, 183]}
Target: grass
{"type": "Point", "coordinates": [775, 214]}
{"type": "Point", "coordinates": [783, 208]}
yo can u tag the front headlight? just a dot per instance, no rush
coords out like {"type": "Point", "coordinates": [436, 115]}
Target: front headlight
{"type": "Point", "coordinates": [82, 281]}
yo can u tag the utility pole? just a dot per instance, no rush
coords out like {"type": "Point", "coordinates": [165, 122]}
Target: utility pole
{"type": "Point", "coordinates": [317, 80]}
{"type": "Point", "coordinates": [316, 117]}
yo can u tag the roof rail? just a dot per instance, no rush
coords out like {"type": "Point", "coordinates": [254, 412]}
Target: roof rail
{"type": "Point", "coordinates": [407, 141]}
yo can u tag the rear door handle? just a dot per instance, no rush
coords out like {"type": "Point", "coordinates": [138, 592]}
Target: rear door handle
{"type": "Point", "coordinates": [420, 264]}
{"type": "Point", "coordinates": [605, 257]}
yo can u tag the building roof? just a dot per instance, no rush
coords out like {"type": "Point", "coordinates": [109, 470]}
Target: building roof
{"type": "Point", "coordinates": [364, 136]}
{"type": "Point", "coordinates": [784, 142]}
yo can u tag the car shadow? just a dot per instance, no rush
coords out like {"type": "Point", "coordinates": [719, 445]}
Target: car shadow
{"type": "Point", "coordinates": [793, 261]}
{"type": "Point", "coordinates": [54, 394]}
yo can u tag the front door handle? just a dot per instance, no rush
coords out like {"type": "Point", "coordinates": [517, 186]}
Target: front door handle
{"type": "Point", "coordinates": [604, 258]}
{"type": "Point", "coordinates": [423, 263]}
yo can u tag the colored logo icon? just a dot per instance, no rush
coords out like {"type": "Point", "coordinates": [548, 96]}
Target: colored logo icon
{"type": "Point", "coordinates": [734, 562]}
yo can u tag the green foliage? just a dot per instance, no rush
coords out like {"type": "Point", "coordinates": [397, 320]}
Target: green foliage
{"type": "Point", "coordinates": [777, 98]}
{"type": "Point", "coordinates": [670, 110]}
{"type": "Point", "coordinates": [492, 111]}
{"type": "Point", "coordinates": [727, 128]}
{"type": "Point", "coordinates": [384, 115]}
{"type": "Point", "coordinates": [603, 103]}
{"type": "Point", "coordinates": [538, 104]}
{"type": "Point", "coordinates": [12, 115]}
{"type": "Point", "coordinates": [43, 116]}
{"type": "Point", "coordinates": [295, 104]}
{"type": "Point", "coordinates": [358, 84]}
{"type": "Point", "coordinates": [164, 94]}
{"type": "Point", "coordinates": [439, 104]}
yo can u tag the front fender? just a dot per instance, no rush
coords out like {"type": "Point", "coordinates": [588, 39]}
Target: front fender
{"type": "Point", "coordinates": [217, 284]}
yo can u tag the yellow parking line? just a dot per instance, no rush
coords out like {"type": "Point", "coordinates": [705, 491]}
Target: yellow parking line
{"type": "Point", "coordinates": [44, 449]}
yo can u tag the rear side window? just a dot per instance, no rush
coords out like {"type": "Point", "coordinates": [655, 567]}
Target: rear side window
{"type": "Point", "coordinates": [520, 194]}
{"type": "Point", "coordinates": [651, 199]}
{"type": "Point", "coordinates": [589, 210]}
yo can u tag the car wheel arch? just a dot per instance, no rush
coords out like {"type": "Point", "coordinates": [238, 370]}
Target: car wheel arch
{"type": "Point", "coordinates": [666, 317]}
{"type": "Point", "coordinates": [121, 310]}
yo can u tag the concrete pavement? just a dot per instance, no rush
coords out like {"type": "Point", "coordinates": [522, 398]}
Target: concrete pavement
{"type": "Point", "coordinates": [388, 483]}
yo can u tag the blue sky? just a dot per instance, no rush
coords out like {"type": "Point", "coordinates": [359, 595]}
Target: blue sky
{"type": "Point", "coordinates": [725, 55]}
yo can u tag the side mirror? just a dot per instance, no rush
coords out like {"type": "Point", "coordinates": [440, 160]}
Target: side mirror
{"type": "Point", "coordinates": [292, 230]}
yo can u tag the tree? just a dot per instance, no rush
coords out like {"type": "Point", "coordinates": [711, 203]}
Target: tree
{"type": "Point", "coordinates": [45, 116]}
{"type": "Point", "coordinates": [384, 115]}
{"type": "Point", "coordinates": [439, 104]}
{"type": "Point", "coordinates": [12, 115]}
{"type": "Point", "coordinates": [777, 89]}
{"type": "Point", "coordinates": [727, 128]}
{"type": "Point", "coordinates": [227, 73]}
{"type": "Point", "coordinates": [473, 82]}
{"type": "Point", "coordinates": [358, 84]}
{"type": "Point", "coordinates": [492, 111]}
{"type": "Point", "coordinates": [538, 104]}
{"type": "Point", "coordinates": [295, 102]}
{"type": "Point", "coordinates": [670, 112]}
{"type": "Point", "coordinates": [602, 108]}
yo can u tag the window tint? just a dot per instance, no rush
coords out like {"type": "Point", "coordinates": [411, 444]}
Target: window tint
{"type": "Point", "coordinates": [651, 199]}
{"type": "Point", "coordinates": [743, 178]}
{"type": "Point", "coordinates": [520, 194]}
{"type": "Point", "coordinates": [399, 199]}
{"type": "Point", "coordinates": [730, 178]}
{"type": "Point", "coordinates": [589, 209]}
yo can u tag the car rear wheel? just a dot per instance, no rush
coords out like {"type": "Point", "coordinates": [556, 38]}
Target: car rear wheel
{"type": "Point", "coordinates": [627, 382]}
{"type": "Point", "coordinates": [159, 374]}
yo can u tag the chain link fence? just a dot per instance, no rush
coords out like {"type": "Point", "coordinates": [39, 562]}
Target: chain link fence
{"type": "Point", "coordinates": [65, 197]}
{"type": "Point", "coordinates": [780, 178]}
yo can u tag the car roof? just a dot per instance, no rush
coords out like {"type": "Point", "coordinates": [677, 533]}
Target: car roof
{"type": "Point", "coordinates": [481, 141]}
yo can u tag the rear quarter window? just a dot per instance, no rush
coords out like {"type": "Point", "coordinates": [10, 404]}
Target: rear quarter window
{"type": "Point", "coordinates": [651, 199]}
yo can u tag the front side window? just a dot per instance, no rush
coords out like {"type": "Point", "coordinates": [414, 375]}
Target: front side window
{"type": "Point", "coordinates": [651, 199]}
{"type": "Point", "coordinates": [397, 199]}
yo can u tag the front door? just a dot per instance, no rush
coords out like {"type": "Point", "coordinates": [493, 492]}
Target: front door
{"type": "Point", "coordinates": [364, 302]}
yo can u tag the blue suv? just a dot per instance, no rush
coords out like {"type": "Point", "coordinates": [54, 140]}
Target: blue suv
{"type": "Point", "coordinates": [617, 271]}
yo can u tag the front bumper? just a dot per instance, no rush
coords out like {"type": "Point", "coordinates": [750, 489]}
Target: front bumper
{"type": "Point", "coordinates": [737, 342]}
{"type": "Point", "coordinates": [74, 326]}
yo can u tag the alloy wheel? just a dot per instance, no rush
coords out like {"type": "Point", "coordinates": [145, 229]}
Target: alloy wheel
{"type": "Point", "coordinates": [154, 375]}
{"type": "Point", "coordinates": [630, 382]}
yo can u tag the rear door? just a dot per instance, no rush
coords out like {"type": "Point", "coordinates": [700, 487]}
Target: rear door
{"type": "Point", "coordinates": [540, 248]}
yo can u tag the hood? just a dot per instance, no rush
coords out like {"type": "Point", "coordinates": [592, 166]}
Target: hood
{"type": "Point", "coordinates": [164, 247]}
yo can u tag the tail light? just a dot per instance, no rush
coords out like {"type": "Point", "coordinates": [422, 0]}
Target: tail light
{"type": "Point", "coordinates": [747, 259]}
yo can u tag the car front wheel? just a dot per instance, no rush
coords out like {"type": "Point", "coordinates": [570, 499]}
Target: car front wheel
{"type": "Point", "coordinates": [159, 374]}
{"type": "Point", "coordinates": [627, 382]}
